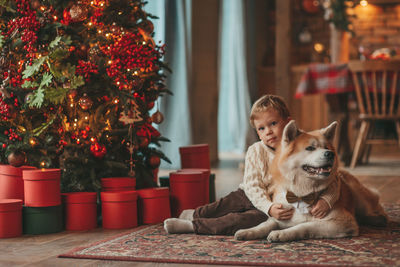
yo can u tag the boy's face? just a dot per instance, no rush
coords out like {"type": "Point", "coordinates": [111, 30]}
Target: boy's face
{"type": "Point", "coordinates": [269, 125]}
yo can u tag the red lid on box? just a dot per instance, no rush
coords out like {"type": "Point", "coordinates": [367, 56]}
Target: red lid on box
{"type": "Point", "coordinates": [195, 170]}
{"type": "Point", "coordinates": [79, 197]}
{"type": "Point", "coordinates": [10, 204]}
{"type": "Point", "coordinates": [118, 182]}
{"type": "Point", "coordinates": [122, 196]}
{"type": "Point", "coordinates": [194, 149]}
{"type": "Point", "coordinates": [14, 171]}
{"type": "Point", "coordinates": [153, 192]}
{"type": "Point", "coordinates": [189, 176]}
{"type": "Point", "coordinates": [41, 174]}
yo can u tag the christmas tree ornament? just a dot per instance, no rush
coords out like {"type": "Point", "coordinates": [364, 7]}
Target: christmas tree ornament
{"type": "Point", "coordinates": [147, 26]}
{"type": "Point", "coordinates": [17, 158]}
{"type": "Point", "coordinates": [157, 117]}
{"type": "Point", "coordinates": [28, 98]}
{"type": "Point", "coordinates": [85, 102]}
{"type": "Point", "coordinates": [78, 12]}
{"type": "Point", "coordinates": [94, 53]}
{"type": "Point", "coordinates": [154, 161]}
{"type": "Point", "coordinates": [143, 141]}
{"type": "Point", "coordinates": [98, 150]}
{"type": "Point", "coordinates": [150, 105]}
{"type": "Point", "coordinates": [35, 4]}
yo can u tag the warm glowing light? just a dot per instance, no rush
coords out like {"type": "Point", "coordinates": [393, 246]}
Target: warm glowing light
{"type": "Point", "coordinates": [71, 105]}
{"type": "Point", "coordinates": [135, 73]}
{"type": "Point", "coordinates": [39, 56]}
{"type": "Point", "coordinates": [90, 24]}
{"type": "Point", "coordinates": [43, 164]}
{"type": "Point", "coordinates": [363, 3]}
{"type": "Point", "coordinates": [107, 35]}
{"type": "Point", "coordinates": [55, 18]}
{"type": "Point", "coordinates": [118, 83]}
{"type": "Point", "coordinates": [318, 47]}
{"type": "Point", "coordinates": [110, 61]}
{"type": "Point", "coordinates": [42, 8]}
{"type": "Point", "coordinates": [144, 42]}
{"type": "Point", "coordinates": [86, 117]}
{"type": "Point", "coordinates": [116, 101]}
{"type": "Point", "coordinates": [75, 124]}
{"type": "Point", "coordinates": [75, 120]}
{"type": "Point", "coordinates": [120, 13]}
{"type": "Point", "coordinates": [32, 142]}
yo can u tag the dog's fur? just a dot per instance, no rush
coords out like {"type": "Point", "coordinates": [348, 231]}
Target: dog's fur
{"type": "Point", "coordinates": [292, 170]}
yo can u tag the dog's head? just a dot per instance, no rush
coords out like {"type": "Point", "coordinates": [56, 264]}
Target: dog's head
{"type": "Point", "coordinates": [306, 155]}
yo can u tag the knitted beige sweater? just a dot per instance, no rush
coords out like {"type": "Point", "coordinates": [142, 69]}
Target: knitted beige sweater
{"type": "Point", "coordinates": [256, 178]}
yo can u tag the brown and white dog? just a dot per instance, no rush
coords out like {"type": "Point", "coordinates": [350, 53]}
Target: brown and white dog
{"type": "Point", "coordinates": [306, 164]}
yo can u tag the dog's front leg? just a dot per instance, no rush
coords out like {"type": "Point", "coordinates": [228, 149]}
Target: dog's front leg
{"type": "Point", "coordinates": [315, 229]}
{"type": "Point", "coordinates": [257, 232]}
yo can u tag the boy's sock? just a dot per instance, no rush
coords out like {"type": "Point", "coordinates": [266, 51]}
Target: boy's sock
{"type": "Point", "coordinates": [187, 215]}
{"type": "Point", "coordinates": [178, 226]}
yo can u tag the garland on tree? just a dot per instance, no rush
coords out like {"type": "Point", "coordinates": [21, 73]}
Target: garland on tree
{"type": "Point", "coordinates": [79, 81]}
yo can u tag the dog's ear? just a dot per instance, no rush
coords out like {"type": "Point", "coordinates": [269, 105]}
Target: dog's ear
{"type": "Point", "coordinates": [290, 132]}
{"type": "Point", "coordinates": [330, 131]}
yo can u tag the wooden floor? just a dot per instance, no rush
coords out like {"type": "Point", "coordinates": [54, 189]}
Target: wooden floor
{"type": "Point", "coordinates": [382, 174]}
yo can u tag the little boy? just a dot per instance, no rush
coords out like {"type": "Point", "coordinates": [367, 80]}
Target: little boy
{"type": "Point", "coordinates": [250, 205]}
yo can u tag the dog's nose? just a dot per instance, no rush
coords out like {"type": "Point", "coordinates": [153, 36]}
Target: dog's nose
{"type": "Point", "coordinates": [329, 154]}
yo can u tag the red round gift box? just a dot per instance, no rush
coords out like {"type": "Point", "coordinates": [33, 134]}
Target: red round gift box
{"type": "Point", "coordinates": [187, 191]}
{"type": "Point", "coordinates": [42, 187]}
{"type": "Point", "coordinates": [206, 182]}
{"type": "Point", "coordinates": [153, 205]}
{"type": "Point", "coordinates": [80, 210]}
{"type": "Point", "coordinates": [10, 218]}
{"type": "Point", "coordinates": [119, 209]}
{"type": "Point", "coordinates": [115, 184]}
{"type": "Point", "coordinates": [195, 156]}
{"type": "Point", "coordinates": [11, 183]}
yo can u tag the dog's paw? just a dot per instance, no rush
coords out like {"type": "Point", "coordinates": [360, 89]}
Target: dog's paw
{"type": "Point", "coordinates": [277, 236]}
{"type": "Point", "coordinates": [244, 235]}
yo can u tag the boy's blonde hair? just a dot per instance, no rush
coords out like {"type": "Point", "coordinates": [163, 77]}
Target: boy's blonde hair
{"type": "Point", "coordinates": [267, 102]}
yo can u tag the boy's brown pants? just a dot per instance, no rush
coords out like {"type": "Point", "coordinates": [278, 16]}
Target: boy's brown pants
{"type": "Point", "coordinates": [227, 215]}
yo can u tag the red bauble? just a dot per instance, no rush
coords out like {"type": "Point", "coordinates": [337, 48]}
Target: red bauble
{"type": "Point", "coordinates": [98, 150]}
{"type": "Point", "coordinates": [311, 6]}
{"type": "Point", "coordinates": [143, 141]}
{"type": "Point", "coordinates": [154, 161]}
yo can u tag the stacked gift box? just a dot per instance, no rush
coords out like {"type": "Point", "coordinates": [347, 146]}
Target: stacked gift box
{"type": "Point", "coordinates": [11, 200]}
{"type": "Point", "coordinates": [193, 185]}
{"type": "Point", "coordinates": [42, 211]}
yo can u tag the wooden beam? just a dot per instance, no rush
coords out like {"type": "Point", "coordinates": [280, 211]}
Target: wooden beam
{"type": "Point", "coordinates": [283, 48]}
{"type": "Point", "coordinates": [204, 91]}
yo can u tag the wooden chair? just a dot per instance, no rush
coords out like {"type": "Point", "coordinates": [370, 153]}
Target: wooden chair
{"type": "Point", "coordinates": [376, 86]}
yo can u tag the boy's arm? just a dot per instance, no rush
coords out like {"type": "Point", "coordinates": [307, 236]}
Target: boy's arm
{"type": "Point", "coordinates": [331, 194]}
{"type": "Point", "coordinates": [252, 184]}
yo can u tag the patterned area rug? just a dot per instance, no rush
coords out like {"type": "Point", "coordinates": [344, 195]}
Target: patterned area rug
{"type": "Point", "coordinates": [374, 247]}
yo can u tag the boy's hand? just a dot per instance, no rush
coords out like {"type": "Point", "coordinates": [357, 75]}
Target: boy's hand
{"type": "Point", "coordinates": [320, 209]}
{"type": "Point", "coordinates": [281, 213]}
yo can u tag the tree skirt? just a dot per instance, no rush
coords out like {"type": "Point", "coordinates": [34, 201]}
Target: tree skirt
{"type": "Point", "coordinates": [374, 247]}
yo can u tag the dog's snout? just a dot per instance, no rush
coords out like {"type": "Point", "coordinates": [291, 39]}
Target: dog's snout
{"type": "Point", "coordinates": [329, 154]}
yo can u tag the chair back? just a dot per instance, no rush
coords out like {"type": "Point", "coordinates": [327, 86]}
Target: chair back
{"type": "Point", "coordinates": [377, 88]}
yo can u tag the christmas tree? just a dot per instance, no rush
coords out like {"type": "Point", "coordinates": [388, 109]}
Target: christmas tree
{"type": "Point", "coordinates": [79, 83]}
